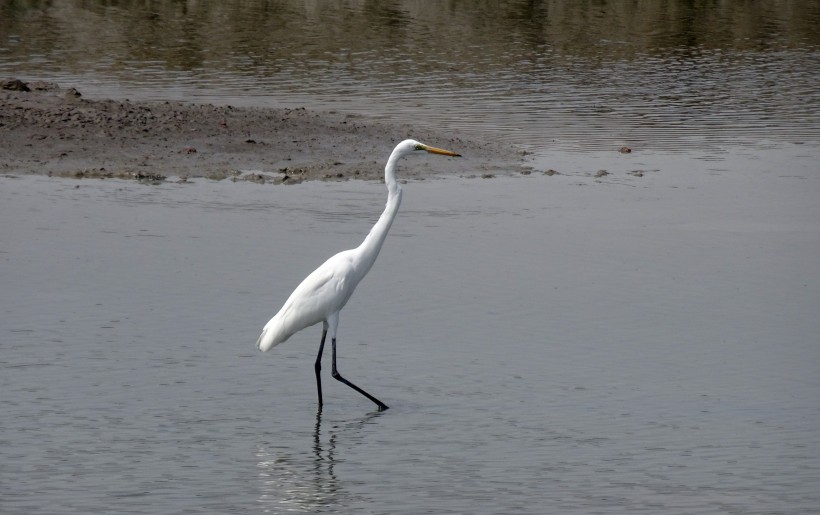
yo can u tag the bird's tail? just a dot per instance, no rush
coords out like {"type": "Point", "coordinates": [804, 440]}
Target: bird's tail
{"type": "Point", "coordinates": [272, 335]}
{"type": "Point", "coordinates": [265, 341]}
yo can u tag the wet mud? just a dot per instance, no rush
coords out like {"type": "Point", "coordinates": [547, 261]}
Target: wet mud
{"type": "Point", "coordinates": [52, 130]}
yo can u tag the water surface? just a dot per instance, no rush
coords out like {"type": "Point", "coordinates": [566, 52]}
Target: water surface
{"type": "Point", "coordinates": [645, 342]}
{"type": "Point", "coordinates": [551, 76]}
{"type": "Point", "coordinates": [546, 344]}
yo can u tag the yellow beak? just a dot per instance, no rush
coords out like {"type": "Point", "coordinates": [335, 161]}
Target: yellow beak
{"type": "Point", "coordinates": [434, 150]}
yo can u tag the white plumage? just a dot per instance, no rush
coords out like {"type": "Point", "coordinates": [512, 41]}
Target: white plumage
{"type": "Point", "coordinates": [322, 294]}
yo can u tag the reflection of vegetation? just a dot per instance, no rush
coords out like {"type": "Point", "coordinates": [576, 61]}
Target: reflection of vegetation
{"type": "Point", "coordinates": [643, 68]}
{"type": "Point", "coordinates": [243, 34]}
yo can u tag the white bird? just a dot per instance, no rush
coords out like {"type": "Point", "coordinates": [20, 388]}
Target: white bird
{"type": "Point", "coordinates": [322, 294]}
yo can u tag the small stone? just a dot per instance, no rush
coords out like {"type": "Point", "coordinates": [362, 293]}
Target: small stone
{"type": "Point", "coordinates": [14, 85]}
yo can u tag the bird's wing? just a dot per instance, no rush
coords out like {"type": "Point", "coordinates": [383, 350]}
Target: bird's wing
{"type": "Point", "coordinates": [324, 292]}
{"type": "Point", "coordinates": [320, 294]}
{"type": "Point", "coordinates": [319, 288]}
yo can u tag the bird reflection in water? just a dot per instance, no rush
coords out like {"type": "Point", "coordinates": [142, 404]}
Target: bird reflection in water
{"type": "Point", "coordinates": [305, 482]}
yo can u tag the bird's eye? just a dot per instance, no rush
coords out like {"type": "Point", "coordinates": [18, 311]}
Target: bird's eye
{"type": "Point", "coordinates": [419, 147]}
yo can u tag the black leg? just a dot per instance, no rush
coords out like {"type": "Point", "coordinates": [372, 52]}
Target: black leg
{"type": "Point", "coordinates": [336, 375]}
{"type": "Point", "coordinates": [318, 367]}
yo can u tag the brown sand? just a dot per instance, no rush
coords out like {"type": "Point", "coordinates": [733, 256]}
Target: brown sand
{"type": "Point", "coordinates": [46, 129]}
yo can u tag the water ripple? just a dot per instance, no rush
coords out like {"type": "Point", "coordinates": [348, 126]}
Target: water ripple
{"type": "Point", "coordinates": [659, 79]}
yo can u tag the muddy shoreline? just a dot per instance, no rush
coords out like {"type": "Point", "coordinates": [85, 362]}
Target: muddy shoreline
{"type": "Point", "coordinates": [52, 130]}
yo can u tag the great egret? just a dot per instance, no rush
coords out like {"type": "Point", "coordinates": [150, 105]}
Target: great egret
{"type": "Point", "coordinates": [322, 294]}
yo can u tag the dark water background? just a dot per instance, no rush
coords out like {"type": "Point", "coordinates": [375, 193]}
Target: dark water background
{"type": "Point", "coordinates": [553, 344]}
{"type": "Point", "coordinates": [553, 76]}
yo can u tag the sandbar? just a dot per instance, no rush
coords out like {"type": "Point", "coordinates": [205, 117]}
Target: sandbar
{"type": "Point", "coordinates": [51, 130]}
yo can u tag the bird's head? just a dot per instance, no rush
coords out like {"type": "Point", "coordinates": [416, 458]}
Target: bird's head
{"type": "Point", "coordinates": [409, 146]}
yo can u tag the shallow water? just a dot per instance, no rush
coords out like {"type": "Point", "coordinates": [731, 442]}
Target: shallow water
{"type": "Point", "coordinates": [554, 344]}
{"type": "Point", "coordinates": [552, 76]}
{"type": "Point", "coordinates": [546, 344]}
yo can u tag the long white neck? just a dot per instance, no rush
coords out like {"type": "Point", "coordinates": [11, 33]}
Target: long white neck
{"type": "Point", "coordinates": [372, 244]}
